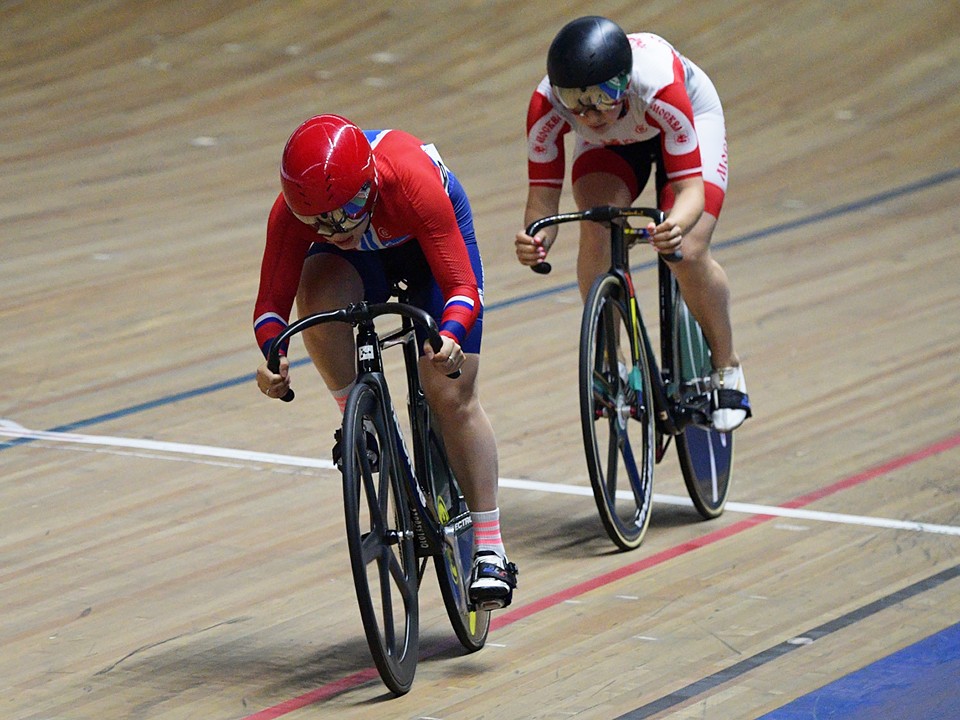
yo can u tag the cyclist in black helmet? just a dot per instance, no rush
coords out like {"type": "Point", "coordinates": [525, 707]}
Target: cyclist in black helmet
{"type": "Point", "coordinates": [635, 103]}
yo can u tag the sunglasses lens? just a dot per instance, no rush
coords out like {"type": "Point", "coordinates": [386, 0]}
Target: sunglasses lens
{"type": "Point", "coordinates": [343, 219]}
{"type": "Point", "coordinates": [568, 97]}
{"type": "Point", "coordinates": [346, 222]}
{"type": "Point", "coordinates": [324, 227]}
{"type": "Point", "coordinates": [332, 223]}
{"type": "Point", "coordinates": [605, 96]}
{"type": "Point", "coordinates": [356, 207]}
{"type": "Point", "coordinates": [614, 89]}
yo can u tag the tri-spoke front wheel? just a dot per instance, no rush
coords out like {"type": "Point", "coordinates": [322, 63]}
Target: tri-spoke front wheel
{"type": "Point", "coordinates": [616, 412]}
{"type": "Point", "coordinates": [379, 538]}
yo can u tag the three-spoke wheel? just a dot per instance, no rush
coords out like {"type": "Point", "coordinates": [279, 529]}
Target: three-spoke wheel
{"type": "Point", "coordinates": [380, 538]}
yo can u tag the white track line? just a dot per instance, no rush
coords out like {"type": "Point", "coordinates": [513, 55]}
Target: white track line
{"type": "Point", "coordinates": [12, 429]}
{"type": "Point", "coordinates": [748, 508]}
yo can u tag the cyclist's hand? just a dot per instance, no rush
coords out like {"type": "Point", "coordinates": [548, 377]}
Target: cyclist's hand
{"type": "Point", "coordinates": [533, 250]}
{"type": "Point", "coordinates": [665, 237]}
{"type": "Point", "coordinates": [449, 359]}
{"type": "Point", "coordinates": [274, 385]}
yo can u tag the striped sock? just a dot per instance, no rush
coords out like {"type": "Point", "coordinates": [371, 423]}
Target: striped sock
{"type": "Point", "coordinates": [486, 532]}
{"type": "Point", "coordinates": [341, 396]}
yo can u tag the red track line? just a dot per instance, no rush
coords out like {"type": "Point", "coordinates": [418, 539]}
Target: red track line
{"type": "Point", "coordinates": [876, 471]}
{"type": "Point", "coordinates": [511, 616]}
{"type": "Point", "coordinates": [321, 693]}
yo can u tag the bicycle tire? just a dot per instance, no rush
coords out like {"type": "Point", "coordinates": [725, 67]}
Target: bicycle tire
{"type": "Point", "coordinates": [616, 412]}
{"type": "Point", "coordinates": [705, 454]}
{"type": "Point", "coordinates": [380, 538]}
{"type": "Point", "coordinates": [455, 563]}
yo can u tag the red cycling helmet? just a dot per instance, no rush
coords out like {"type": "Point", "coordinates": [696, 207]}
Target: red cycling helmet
{"type": "Point", "coordinates": [328, 174]}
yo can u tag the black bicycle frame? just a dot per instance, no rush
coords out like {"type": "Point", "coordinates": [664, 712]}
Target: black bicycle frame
{"type": "Point", "coordinates": [664, 416]}
{"type": "Point", "coordinates": [428, 538]}
{"type": "Point", "coordinates": [620, 263]}
{"type": "Point", "coordinates": [684, 412]}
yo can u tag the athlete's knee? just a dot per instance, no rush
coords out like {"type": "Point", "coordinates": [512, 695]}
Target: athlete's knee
{"type": "Point", "coordinates": [694, 255]}
{"type": "Point", "coordinates": [447, 395]}
{"type": "Point", "coordinates": [696, 243]}
{"type": "Point", "coordinates": [327, 282]}
{"type": "Point", "coordinates": [454, 406]}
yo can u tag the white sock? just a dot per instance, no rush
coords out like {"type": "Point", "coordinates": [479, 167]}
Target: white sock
{"type": "Point", "coordinates": [341, 396]}
{"type": "Point", "coordinates": [486, 532]}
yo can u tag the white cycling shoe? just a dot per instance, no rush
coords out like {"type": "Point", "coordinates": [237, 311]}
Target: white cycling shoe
{"type": "Point", "coordinates": [492, 581]}
{"type": "Point", "coordinates": [730, 401]}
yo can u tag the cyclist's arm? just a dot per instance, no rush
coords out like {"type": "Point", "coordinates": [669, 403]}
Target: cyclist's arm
{"type": "Point", "coordinates": [283, 256]}
{"type": "Point", "coordinates": [425, 210]}
{"type": "Point", "coordinates": [688, 205]}
{"type": "Point", "coordinates": [672, 112]}
{"type": "Point", "coordinates": [545, 169]}
{"type": "Point", "coordinates": [286, 248]}
{"type": "Point", "coordinates": [686, 211]}
{"type": "Point", "coordinates": [546, 128]}
{"type": "Point", "coordinates": [541, 201]}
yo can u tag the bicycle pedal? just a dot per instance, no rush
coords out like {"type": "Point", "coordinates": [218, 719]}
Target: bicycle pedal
{"type": "Point", "coordinates": [487, 605]}
{"type": "Point", "coordinates": [337, 453]}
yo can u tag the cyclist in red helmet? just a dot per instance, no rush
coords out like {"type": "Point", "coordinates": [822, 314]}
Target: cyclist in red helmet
{"type": "Point", "coordinates": [359, 211]}
{"type": "Point", "coordinates": [634, 102]}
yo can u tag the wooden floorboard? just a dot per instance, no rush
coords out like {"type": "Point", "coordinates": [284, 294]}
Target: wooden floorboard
{"type": "Point", "coordinates": [150, 569]}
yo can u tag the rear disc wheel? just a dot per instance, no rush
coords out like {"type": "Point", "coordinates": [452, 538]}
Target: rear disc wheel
{"type": "Point", "coordinates": [705, 454]}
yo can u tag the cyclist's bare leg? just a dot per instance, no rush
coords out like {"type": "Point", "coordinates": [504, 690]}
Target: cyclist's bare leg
{"type": "Point", "coordinates": [329, 282]}
{"type": "Point", "coordinates": [702, 281]}
{"type": "Point", "coordinates": [706, 290]}
{"type": "Point", "coordinates": [466, 431]}
{"type": "Point", "coordinates": [593, 258]}
{"type": "Point", "coordinates": [472, 452]}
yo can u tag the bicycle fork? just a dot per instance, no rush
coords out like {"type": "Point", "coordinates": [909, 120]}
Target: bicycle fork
{"type": "Point", "coordinates": [370, 361]}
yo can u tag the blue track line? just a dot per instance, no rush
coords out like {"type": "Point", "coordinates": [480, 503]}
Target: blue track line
{"type": "Point", "coordinates": [819, 217]}
{"type": "Point", "coordinates": [919, 682]}
{"type": "Point", "coordinates": [739, 669]}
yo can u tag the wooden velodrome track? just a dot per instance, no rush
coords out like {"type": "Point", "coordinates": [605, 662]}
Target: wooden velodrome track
{"type": "Point", "coordinates": [159, 559]}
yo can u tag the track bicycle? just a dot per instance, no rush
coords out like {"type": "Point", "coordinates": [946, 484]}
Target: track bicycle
{"type": "Point", "coordinates": [400, 510]}
{"type": "Point", "coordinates": [631, 406]}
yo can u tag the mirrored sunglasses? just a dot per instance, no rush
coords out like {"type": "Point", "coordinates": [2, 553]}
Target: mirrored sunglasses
{"type": "Point", "coordinates": [603, 97]}
{"type": "Point", "coordinates": [343, 219]}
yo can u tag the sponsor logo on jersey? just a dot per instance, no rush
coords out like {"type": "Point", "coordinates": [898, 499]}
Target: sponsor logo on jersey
{"type": "Point", "coordinates": [543, 138]}
{"type": "Point", "coordinates": [722, 166]}
{"type": "Point", "coordinates": [679, 135]}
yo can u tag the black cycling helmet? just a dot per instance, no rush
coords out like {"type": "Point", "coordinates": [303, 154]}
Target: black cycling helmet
{"type": "Point", "coordinates": [588, 51]}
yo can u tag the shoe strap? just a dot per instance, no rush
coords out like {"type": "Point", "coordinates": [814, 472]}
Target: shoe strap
{"type": "Point", "coordinates": [727, 399]}
{"type": "Point", "coordinates": [488, 570]}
